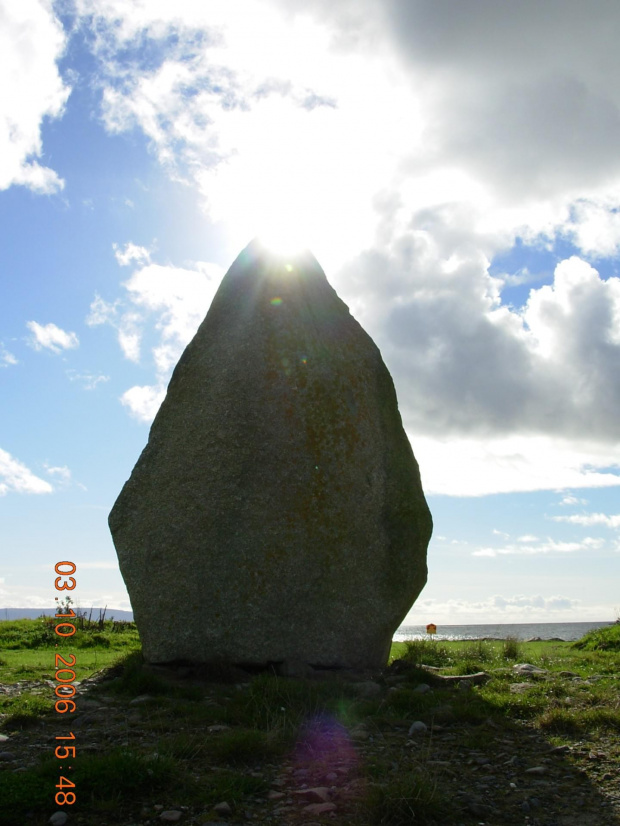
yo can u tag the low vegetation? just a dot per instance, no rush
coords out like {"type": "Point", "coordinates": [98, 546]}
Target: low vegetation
{"type": "Point", "coordinates": [198, 742]}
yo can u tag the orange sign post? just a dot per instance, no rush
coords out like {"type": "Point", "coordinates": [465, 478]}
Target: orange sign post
{"type": "Point", "coordinates": [431, 628]}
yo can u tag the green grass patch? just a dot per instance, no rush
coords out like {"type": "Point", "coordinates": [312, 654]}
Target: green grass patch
{"type": "Point", "coordinates": [25, 710]}
{"type": "Point", "coordinates": [399, 798]}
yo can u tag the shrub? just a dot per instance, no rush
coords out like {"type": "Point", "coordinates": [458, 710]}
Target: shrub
{"type": "Point", "coordinates": [427, 652]}
{"type": "Point", "coordinates": [511, 649]}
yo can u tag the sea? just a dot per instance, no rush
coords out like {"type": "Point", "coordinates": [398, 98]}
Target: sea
{"type": "Point", "coordinates": [567, 631]}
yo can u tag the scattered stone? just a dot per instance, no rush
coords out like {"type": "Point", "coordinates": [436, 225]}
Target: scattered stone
{"type": "Point", "coordinates": [368, 689]}
{"type": "Point", "coordinates": [3, 738]}
{"type": "Point", "coordinates": [222, 808]}
{"type": "Point", "coordinates": [279, 444]}
{"type": "Point", "coordinates": [417, 728]}
{"type": "Point", "coordinates": [170, 816]}
{"type": "Point", "coordinates": [275, 795]}
{"type": "Point", "coordinates": [216, 728]}
{"type": "Point", "coordinates": [528, 668]}
{"type": "Point", "coordinates": [537, 770]}
{"type": "Point", "coordinates": [320, 808]}
{"type": "Point", "coordinates": [319, 794]}
{"type": "Point", "coordinates": [142, 698]}
{"type": "Point", "coordinates": [423, 688]}
{"type": "Point", "coordinates": [568, 674]}
{"type": "Point", "coordinates": [58, 819]}
{"type": "Point", "coordinates": [478, 677]}
{"type": "Point", "coordinates": [7, 755]}
{"type": "Point", "coordinates": [520, 688]}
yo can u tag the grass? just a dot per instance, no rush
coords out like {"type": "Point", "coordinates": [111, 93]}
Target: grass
{"type": "Point", "coordinates": [403, 798]}
{"type": "Point", "coordinates": [174, 755]}
{"type": "Point", "coordinates": [601, 639]}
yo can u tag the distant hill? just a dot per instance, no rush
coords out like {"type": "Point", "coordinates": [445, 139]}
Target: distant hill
{"type": "Point", "coordinates": [33, 613]}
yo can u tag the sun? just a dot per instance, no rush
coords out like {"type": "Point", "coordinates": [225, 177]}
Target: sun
{"type": "Point", "coordinates": [283, 241]}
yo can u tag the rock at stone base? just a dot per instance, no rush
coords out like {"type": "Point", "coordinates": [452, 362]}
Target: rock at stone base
{"type": "Point", "coordinates": [276, 513]}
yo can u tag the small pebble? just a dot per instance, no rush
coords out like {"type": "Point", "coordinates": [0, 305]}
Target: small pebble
{"type": "Point", "coordinates": [222, 808]}
{"type": "Point", "coordinates": [58, 819]}
{"type": "Point", "coordinates": [417, 728]}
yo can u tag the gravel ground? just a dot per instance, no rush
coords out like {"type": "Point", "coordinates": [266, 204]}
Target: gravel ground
{"type": "Point", "coordinates": [493, 776]}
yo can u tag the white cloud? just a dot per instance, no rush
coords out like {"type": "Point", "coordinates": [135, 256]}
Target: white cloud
{"type": "Point", "coordinates": [240, 116]}
{"type": "Point", "coordinates": [61, 475]}
{"type": "Point", "coordinates": [131, 253]}
{"type": "Point", "coordinates": [473, 466]}
{"type": "Point", "coordinates": [31, 42]}
{"type": "Point", "coordinates": [413, 143]}
{"type": "Point", "coordinates": [549, 546]}
{"type": "Point", "coordinates": [17, 478]}
{"type": "Point", "coordinates": [51, 337]}
{"type": "Point", "coordinates": [144, 402]}
{"type": "Point", "coordinates": [130, 335]}
{"type": "Point", "coordinates": [101, 312]}
{"type": "Point", "coordinates": [7, 359]}
{"type": "Point", "coordinates": [586, 519]}
{"type": "Point", "coordinates": [174, 301]}
{"type": "Point", "coordinates": [569, 499]}
{"type": "Point", "coordinates": [88, 380]}
{"type": "Point", "coordinates": [516, 608]}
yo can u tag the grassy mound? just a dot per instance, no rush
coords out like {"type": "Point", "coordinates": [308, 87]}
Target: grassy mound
{"type": "Point", "coordinates": [601, 639]}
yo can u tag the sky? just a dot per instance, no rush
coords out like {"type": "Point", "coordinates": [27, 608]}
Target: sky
{"type": "Point", "coordinates": [454, 167]}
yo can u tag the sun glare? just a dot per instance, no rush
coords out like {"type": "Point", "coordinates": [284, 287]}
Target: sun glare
{"type": "Point", "coordinates": [283, 241]}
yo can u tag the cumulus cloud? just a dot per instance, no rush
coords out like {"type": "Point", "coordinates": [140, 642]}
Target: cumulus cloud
{"type": "Point", "coordinates": [464, 363]}
{"type": "Point", "coordinates": [178, 298]}
{"type": "Point", "coordinates": [473, 130]}
{"type": "Point", "coordinates": [51, 337]}
{"type": "Point", "coordinates": [165, 302]}
{"type": "Point", "coordinates": [31, 43]}
{"type": "Point", "coordinates": [131, 253]}
{"type": "Point", "coordinates": [17, 478]}
{"type": "Point", "coordinates": [144, 402]}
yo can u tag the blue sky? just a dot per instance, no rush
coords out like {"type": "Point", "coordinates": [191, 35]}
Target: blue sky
{"type": "Point", "coordinates": [456, 176]}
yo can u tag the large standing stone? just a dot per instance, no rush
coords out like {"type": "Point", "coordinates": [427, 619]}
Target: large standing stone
{"type": "Point", "coordinates": [276, 513]}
